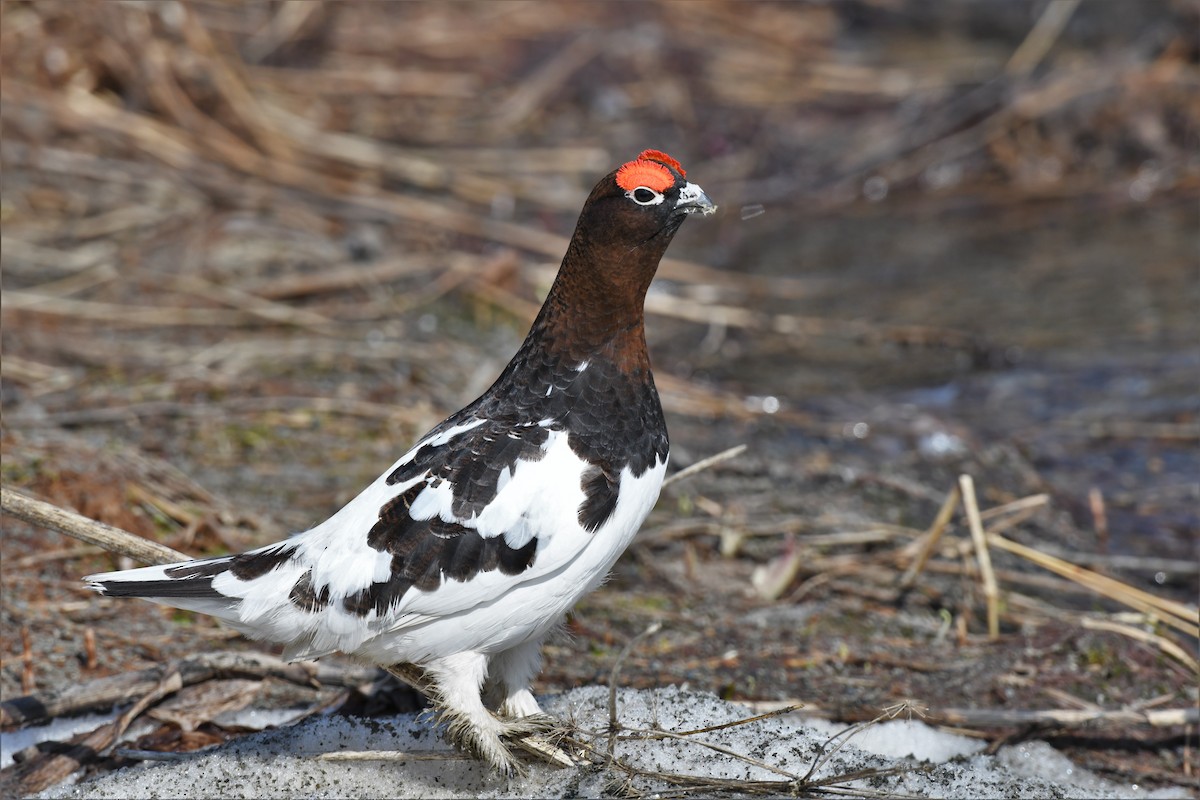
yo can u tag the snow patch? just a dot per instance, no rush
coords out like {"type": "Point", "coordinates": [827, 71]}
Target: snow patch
{"type": "Point", "coordinates": [283, 763]}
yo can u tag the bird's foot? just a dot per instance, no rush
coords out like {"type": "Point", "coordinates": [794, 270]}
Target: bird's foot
{"type": "Point", "coordinates": [485, 740]}
{"type": "Point", "coordinates": [537, 737]}
{"type": "Point", "coordinates": [542, 737]}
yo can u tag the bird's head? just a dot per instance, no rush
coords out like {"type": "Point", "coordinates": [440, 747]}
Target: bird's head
{"type": "Point", "coordinates": [623, 231]}
{"type": "Point", "coordinates": [643, 202]}
{"type": "Point", "coordinates": [626, 224]}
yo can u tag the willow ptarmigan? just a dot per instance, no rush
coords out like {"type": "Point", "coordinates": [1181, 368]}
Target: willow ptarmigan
{"type": "Point", "coordinates": [452, 567]}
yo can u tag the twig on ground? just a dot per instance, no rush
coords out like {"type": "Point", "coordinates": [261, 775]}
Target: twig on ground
{"type": "Point", "coordinates": [1182, 432]}
{"type": "Point", "coordinates": [268, 310]}
{"type": "Point", "coordinates": [89, 648]}
{"type": "Point", "coordinates": [80, 527]}
{"type": "Point", "coordinates": [105, 692]}
{"type": "Point", "coordinates": [61, 554]}
{"type": "Point", "coordinates": [341, 278]}
{"type": "Point", "coordinates": [516, 110]}
{"type": "Point", "coordinates": [28, 683]}
{"type": "Point", "coordinates": [797, 327]}
{"type": "Point", "coordinates": [1099, 517]}
{"type": "Point", "coordinates": [1120, 561]}
{"type": "Point", "coordinates": [161, 755]}
{"type": "Point", "coordinates": [705, 463]}
{"type": "Point", "coordinates": [689, 784]}
{"type": "Point", "coordinates": [1069, 718]}
{"type": "Point", "coordinates": [47, 769]}
{"type": "Point", "coordinates": [839, 741]}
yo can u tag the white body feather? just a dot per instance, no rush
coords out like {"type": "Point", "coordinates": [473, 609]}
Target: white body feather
{"type": "Point", "coordinates": [489, 613]}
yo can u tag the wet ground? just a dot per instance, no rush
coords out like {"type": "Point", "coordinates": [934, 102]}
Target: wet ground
{"type": "Point", "coordinates": [1081, 326]}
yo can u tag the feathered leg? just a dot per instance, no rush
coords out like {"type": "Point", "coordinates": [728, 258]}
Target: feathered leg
{"type": "Point", "coordinates": [454, 684]}
{"type": "Point", "coordinates": [509, 675]}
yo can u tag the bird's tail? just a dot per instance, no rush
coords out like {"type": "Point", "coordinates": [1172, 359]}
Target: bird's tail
{"type": "Point", "coordinates": [206, 585]}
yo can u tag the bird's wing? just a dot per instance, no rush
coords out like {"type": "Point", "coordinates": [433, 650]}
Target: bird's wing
{"type": "Point", "coordinates": [478, 507]}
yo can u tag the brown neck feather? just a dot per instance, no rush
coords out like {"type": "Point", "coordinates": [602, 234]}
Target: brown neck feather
{"type": "Point", "coordinates": [595, 308]}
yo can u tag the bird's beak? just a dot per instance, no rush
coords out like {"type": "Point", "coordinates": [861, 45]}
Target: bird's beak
{"type": "Point", "coordinates": [693, 200]}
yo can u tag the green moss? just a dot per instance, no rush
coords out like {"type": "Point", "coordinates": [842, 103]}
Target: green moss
{"type": "Point", "coordinates": [22, 473]}
{"type": "Point", "coordinates": [181, 617]}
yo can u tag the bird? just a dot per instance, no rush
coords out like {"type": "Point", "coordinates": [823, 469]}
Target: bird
{"type": "Point", "coordinates": [452, 567]}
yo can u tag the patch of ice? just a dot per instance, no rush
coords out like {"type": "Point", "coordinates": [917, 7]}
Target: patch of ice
{"type": "Point", "coordinates": [58, 730]}
{"type": "Point", "coordinates": [258, 719]}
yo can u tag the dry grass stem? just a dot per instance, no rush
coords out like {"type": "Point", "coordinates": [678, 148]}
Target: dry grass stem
{"type": "Point", "coordinates": [535, 88]}
{"type": "Point", "coordinates": [62, 554]}
{"type": "Point", "coordinates": [17, 301]}
{"type": "Point", "coordinates": [340, 278]}
{"type": "Point", "coordinates": [1182, 432]}
{"type": "Point", "coordinates": [990, 588]}
{"type": "Point", "coordinates": [89, 648]}
{"type": "Point", "coordinates": [932, 536]}
{"type": "Point", "coordinates": [158, 755]}
{"type": "Point", "coordinates": [652, 629]}
{"type": "Point", "coordinates": [797, 327]}
{"type": "Point", "coordinates": [777, 712]}
{"type": "Point", "coordinates": [1158, 640]}
{"type": "Point", "coordinates": [637, 734]}
{"type": "Point", "coordinates": [39, 379]}
{"type": "Point", "coordinates": [1041, 37]}
{"type": "Point", "coordinates": [1099, 516]}
{"type": "Point", "coordinates": [1024, 504]}
{"type": "Point", "coordinates": [164, 506]}
{"type": "Point", "coordinates": [311, 405]}
{"type": "Point", "coordinates": [1177, 615]}
{"type": "Point", "coordinates": [683, 785]}
{"type": "Point", "coordinates": [254, 305]}
{"type": "Point", "coordinates": [394, 755]}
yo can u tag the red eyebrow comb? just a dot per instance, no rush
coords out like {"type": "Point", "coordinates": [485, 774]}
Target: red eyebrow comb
{"type": "Point", "coordinates": [660, 156]}
{"type": "Point", "coordinates": [649, 169]}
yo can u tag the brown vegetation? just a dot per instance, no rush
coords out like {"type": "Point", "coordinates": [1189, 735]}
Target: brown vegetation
{"type": "Point", "coordinates": [250, 252]}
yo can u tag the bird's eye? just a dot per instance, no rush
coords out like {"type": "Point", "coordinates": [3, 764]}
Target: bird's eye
{"type": "Point", "coordinates": [644, 196]}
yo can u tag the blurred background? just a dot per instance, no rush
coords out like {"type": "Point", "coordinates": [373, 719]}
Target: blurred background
{"type": "Point", "coordinates": [251, 251]}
